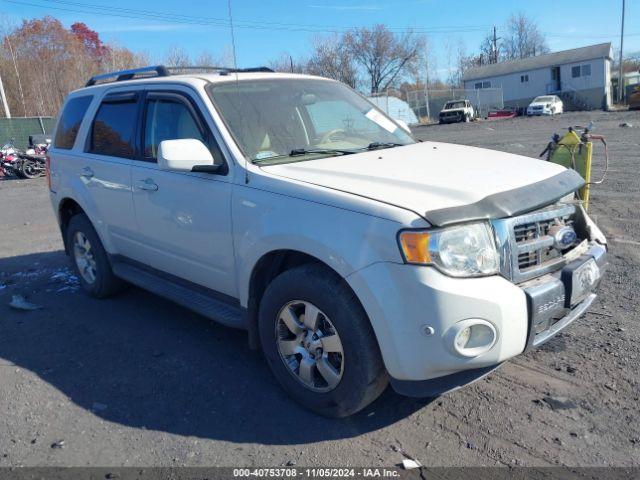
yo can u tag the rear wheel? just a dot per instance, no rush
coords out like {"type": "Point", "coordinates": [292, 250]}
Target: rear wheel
{"type": "Point", "coordinates": [30, 169]}
{"type": "Point", "coordinates": [89, 258]}
{"type": "Point", "coordinates": [319, 343]}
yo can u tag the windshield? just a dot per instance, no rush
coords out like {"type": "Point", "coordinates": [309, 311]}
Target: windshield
{"type": "Point", "coordinates": [292, 119]}
{"type": "Point", "coordinates": [543, 99]}
{"type": "Point", "coordinates": [459, 104]}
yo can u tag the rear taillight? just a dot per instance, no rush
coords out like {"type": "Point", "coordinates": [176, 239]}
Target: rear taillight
{"type": "Point", "coordinates": [47, 167]}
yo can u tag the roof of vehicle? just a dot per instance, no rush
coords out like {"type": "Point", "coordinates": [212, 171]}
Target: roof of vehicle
{"type": "Point", "coordinates": [124, 78]}
{"type": "Point", "coordinates": [450, 102]}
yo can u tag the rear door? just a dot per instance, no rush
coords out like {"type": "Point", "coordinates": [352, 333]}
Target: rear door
{"type": "Point", "coordinates": [183, 218]}
{"type": "Point", "coordinates": [64, 153]}
{"type": "Point", "coordinates": [91, 161]}
{"type": "Point", "coordinates": [106, 166]}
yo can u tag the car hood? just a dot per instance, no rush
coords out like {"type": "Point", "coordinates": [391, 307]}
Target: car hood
{"type": "Point", "coordinates": [540, 104]}
{"type": "Point", "coordinates": [435, 179]}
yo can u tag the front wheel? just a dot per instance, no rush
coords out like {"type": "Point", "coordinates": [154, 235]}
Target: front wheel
{"type": "Point", "coordinates": [319, 343]}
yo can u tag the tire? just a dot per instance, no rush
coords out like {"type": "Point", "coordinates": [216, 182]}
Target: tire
{"type": "Point", "coordinates": [466, 118]}
{"type": "Point", "coordinates": [104, 282]}
{"type": "Point", "coordinates": [362, 376]}
{"type": "Point", "coordinates": [29, 169]}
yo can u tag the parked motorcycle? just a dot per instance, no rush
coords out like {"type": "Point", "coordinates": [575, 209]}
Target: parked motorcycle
{"type": "Point", "coordinates": [39, 144]}
{"type": "Point", "coordinates": [30, 164]}
{"type": "Point", "coordinates": [9, 158]}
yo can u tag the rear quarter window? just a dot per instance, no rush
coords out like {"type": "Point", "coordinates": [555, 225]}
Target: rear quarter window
{"type": "Point", "coordinates": [70, 121]}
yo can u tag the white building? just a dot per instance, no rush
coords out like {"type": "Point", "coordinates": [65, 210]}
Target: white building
{"type": "Point", "coordinates": [581, 77]}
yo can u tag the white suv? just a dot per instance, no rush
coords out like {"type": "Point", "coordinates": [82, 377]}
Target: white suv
{"type": "Point", "coordinates": [290, 206]}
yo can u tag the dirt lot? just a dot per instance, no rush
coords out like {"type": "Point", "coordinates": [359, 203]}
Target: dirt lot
{"type": "Point", "coordinates": [136, 380]}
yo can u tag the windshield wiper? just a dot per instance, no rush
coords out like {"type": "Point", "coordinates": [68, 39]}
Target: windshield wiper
{"type": "Point", "coordinates": [304, 151]}
{"type": "Point", "coordinates": [379, 145]}
{"type": "Point", "coordinates": [298, 152]}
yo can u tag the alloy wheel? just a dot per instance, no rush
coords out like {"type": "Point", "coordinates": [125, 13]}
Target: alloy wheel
{"type": "Point", "coordinates": [83, 255]}
{"type": "Point", "coordinates": [310, 346]}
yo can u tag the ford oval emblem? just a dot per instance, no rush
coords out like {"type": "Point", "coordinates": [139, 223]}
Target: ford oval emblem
{"type": "Point", "coordinates": [565, 237]}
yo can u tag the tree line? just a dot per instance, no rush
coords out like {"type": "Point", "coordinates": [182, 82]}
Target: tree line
{"type": "Point", "coordinates": [376, 59]}
{"type": "Point", "coordinates": [41, 61]}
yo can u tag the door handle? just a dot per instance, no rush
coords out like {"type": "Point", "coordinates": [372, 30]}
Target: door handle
{"type": "Point", "coordinates": [148, 185]}
{"type": "Point", "coordinates": [87, 173]}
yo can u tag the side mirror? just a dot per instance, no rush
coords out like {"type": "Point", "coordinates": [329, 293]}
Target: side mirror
{"type": "Point", "coordinates": [404, 125]}
{"type": "Point", "coordinates": [185, 155]}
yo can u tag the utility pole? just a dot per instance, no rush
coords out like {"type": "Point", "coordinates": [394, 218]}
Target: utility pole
{"type": "Point", "coordinates": [495, 46]}
{"type": "Point", "coordinates": [620, 73]}
{"type": "Point", "coordinates": [426, 92]}
{"type": "Point", "coordinates": [7, 112]}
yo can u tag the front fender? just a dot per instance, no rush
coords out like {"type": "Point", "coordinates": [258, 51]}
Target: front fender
{"type": "Point", "coordinates": [344, 240]}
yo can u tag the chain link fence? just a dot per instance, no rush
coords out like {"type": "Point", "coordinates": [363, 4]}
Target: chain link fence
{"type": "Point", "coordinates": [423, 106]}
{"type": "Point", "coordinates": [18, 129]}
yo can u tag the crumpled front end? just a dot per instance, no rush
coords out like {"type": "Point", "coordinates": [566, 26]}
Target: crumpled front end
{"type": "Point", "coordinates": [437, 333]}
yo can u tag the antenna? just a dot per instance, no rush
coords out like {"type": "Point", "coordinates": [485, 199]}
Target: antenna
{"type": "Point", "coordinates": [235, 67]}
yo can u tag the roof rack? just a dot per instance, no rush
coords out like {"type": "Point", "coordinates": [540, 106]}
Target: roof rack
{"type": "Point", "coordinates": [162, 71]}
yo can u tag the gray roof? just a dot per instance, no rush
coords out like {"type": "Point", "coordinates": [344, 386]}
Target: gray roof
{"type": "Point", "coordinates": [602, 50]}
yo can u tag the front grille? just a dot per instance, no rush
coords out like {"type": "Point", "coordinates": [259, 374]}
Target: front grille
{"type": "Point", "coordinates": [535, 247]}
{"type": "Point", "coordinates": [528, 246]}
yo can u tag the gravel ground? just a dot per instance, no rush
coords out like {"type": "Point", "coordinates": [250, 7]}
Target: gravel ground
{"type": "Point", "coordinates": [136, 380]}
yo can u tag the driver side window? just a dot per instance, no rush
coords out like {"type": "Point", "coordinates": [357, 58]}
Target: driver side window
{"type": "Point", "coordinates": [169, 118]}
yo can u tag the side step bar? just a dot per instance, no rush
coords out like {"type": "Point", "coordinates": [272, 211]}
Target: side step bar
{"type": "Point", "coordinates": [208, 306]}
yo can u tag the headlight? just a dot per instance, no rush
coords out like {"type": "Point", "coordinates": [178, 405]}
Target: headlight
{"type": "Point", "coordinates": [460, 251]}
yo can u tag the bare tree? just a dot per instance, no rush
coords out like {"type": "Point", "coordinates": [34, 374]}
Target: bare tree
{"type": "Point", "coordinates": [208, 59]}
{"type": "Point", "coordinates": [384, 55]}
{"type": "Point", "coordinates": [487, 54]}
{"type": "Point", "coordinates": [463, 63]}
{"type": "Point", "coordinates": [177, 57]}
{"type": "Point", "coordinates": [333, 58]}
{"type": "Point", "coordinates": [286, 63]}
{"type": "Point", "coordinates": [522, 38]}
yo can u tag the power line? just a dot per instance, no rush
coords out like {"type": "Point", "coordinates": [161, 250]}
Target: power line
{"type": "Point", "coordinates": [218, 22]}
{"type": "Point", "coordinates": [253, 22]}
{"type": "Point", "coordinates": [174, 18]}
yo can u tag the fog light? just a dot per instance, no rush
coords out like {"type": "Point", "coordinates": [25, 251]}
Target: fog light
{"type": "Point", "coordinates": [473, 337]}
{"type": "Point", "coordinates": [462, 338]}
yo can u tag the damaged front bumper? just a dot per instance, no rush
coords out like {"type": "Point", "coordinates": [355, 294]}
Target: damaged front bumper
{"type": "Point", "coordinates": [555, 300]}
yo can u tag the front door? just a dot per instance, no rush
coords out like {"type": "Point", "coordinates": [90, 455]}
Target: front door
{"type": "Point", "coordinates": [555, 79]}
{"type": "Point", "coordinates": [183, 218]}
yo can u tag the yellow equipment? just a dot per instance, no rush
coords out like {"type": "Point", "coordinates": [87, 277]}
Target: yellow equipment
{"type": "Point", "coordinates": [573, 151]}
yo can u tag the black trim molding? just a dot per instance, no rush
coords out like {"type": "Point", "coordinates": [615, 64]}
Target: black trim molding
{"type": "Point", "coordinates": [510, 203]}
